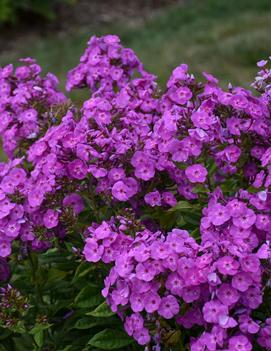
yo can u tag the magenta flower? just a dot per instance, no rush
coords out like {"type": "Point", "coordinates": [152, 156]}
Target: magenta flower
{"type": "Point", "coordinates": [124, 190]}
{"type": "Point", "coordinates": [152, 301]}
{"type": "Point", "coordinates": [227, 295]}
{"type": "Point", "coordinates": [103, 231]}
{"type": "Point", "coordinates": [77, 169]}
{"type": "Point", "coordinates": [120, 191]}
{"type": "Point", "coordinates": [241, 281]}
{"type": "Point", "coordinates": [248, 325]}
{"type": "Point", "coordinates": [175, 284]}
{"type": "Point", "coordinates": [191, 294]}
{"type": "Point", "coordinates": [169, 307]}
{"type": "Point", "coordinates": [250, 263]}
{"type": "Point", "coordinates": [202, 119]}
{"type": "Point", "coordinates": [137, 302]}
{"type": "Point", "coordinates": [5, 248]}
{"type": "Point", "coordinates": [212, 310]}
{"type": "Point", "coordinates": [218, 214]}
{"type": "Point", "coordinates": [232, 153]}
{"type": "Point", "coordinates": [176, 239]}
{"type": "Point", "coordinates": [263, 222]}
{"type": "Point", "coordinates": [145, 271]}
{"type": "Point", "coordinates": [196, 173]}
{"type": "Point", "coordinates": [227, 265]}
{"type": "Point", "coordinates": [141, 253]}
{"type": "Point", "coordinates": [246, 220]}
{"type": "Point", "coordinates": [144, 166]}
{"type": "Point", "coordinates": [133, 323]}
{"type": "Point", "coordinates": [124, 266]}
{"type": "Point", "coordinates": [75, 201]}
{"type": "Point", "coordinates": [159, 250]}
{"type": "Point", "coordinates": [116, 174]}
{"type": "Point", "coordinates": [236, 208]}
{"type": "Point", "coordinates": [50, 219]}
{"type": "Point", "coordinates": [253, 297]}
{"type": "Point", "coordinates": [169, 198]}
{"type": "Point", "coordinates": [92, 251]}
{"type": "Point", "coordinates": [12, 229]}
{"type": "Point", "coordinates": [145, 171]}
{"type": "Point", "coordinates": [181, 95]}
{"type": "Point", "coordinates": [153, 198]}
{"type": "Point", "coordinates": [142, 336]}
{"type": "Point", "coordinates": [239, 343]}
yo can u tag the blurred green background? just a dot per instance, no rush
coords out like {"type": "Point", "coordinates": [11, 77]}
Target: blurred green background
{"type": "Point", "coordinates": [224, 37]}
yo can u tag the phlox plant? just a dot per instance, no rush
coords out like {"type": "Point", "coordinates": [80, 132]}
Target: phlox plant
{"type": "Point", "coordinates": [140, 220]}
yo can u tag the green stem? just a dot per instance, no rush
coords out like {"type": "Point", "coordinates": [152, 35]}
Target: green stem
{"type": "Point", "coordinates": [33, 270]}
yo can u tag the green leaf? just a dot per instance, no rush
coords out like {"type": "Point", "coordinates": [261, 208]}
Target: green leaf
{"type": "Point", "coordinates": [101, 311]}
{"type": "Point", "coordinates": [4, 333]}
{"type": "Point", "coordinates": [53, 256]}
{"type": "Point", "coordinates": [67, 348]}
{"type": "Point", "coordinates": [39, 327]}
{"type": "Point", "coordinates": [38, 337]}
{"type": "Point", "coordinates": [90, 322]}
{"type": "Point", "coordinates": [24, 342]}
{"type": "Point", "coordinates": [83, 269]}
{"type": "Point", "coordinates": [182, 206]}
{"type": "Point", "coordinates": [89, 296]}
{"type": "Point", "coordinates": [84, 323]}
{"type": "Point", "coordinates": [56, 275]}
{"type": "Point", "coordinates": [18, 328]}
{"type": "Point", "coordinates": [195, 233]}
{"type": "Point", "coordinates": [109, 339]}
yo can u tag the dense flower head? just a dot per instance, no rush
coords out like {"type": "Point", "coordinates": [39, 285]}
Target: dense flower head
{"type": "Point", "coordinates": [104, 65]}
{"type": "Point", "coordinates": [26, 215]}
{"type": "Point", "coordinates": [26, 106]}
{"type": "Point", "coordinates": [141, 266]}
{"type": "Point", "coordinates": [154, 275]}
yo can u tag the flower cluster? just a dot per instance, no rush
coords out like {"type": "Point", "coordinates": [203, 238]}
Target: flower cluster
{"type": "Point", "coordinates": [148, 273]}
{"type": "Point", "coordinates": [26, 100]}
{"type": "Point", "coordinates": [12, 307]}
{"type": "Point", "coordinates": [126, 141]}
{"type": "Point", "coordinates": [131, 153]}
{"type": "Point", "coordinates": [12, 211]}
{"type": "Point", "coordinates": [265, 335]}
{"type": "Point", "coordinates": [105, 65]}
{"type": "Point", "coordinates": [137, 129]}
{"type": "Point", "coordinates": [27, 214]}
{"type": "Point", "coordinates": [222, 279]}
{"type": "Point", "coordinates": [237, 232]}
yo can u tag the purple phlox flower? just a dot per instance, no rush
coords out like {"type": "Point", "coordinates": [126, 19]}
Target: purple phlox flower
{"type": "Point", "coordinates": [213, 310]}
{"type": "Point", "coordinates": [169, 307]}
{"type": "Point", "coordinates": [196, 173]}
{"type": "Point", "coordinates": [153, 198]}
{"type": "Point", "coordinates": [239, 343]}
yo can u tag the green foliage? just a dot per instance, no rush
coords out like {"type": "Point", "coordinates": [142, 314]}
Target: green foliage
{"type": "Point", "coordinates": [11, 10]}
{"type": "Point", "coordinates": [66, 309]}
{"type": "Point", "coordinates": [88, 297]}
{"type": "Point", "coordinates": [101, 311]}
{"type": "Point", "coordinates": [109, 339]}
{"type": "Point", "coordinates": [6, 13]}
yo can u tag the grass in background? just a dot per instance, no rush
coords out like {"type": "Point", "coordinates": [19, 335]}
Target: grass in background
{"type": "Point", "coordinates": [224, 37]}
